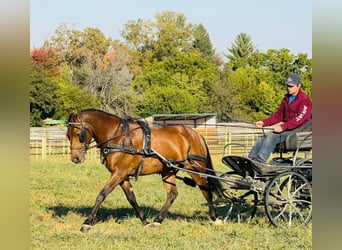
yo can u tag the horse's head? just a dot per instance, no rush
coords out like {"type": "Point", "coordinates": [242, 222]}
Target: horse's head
{"type": "Point", "coordinates": [79, 136]}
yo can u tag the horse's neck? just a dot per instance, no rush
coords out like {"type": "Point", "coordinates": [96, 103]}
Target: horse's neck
{"type": "Point", "coordinates": [103, 125]}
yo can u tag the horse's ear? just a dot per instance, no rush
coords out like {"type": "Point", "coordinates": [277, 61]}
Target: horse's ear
{"type": "Point", "coordinates": [69, 111]}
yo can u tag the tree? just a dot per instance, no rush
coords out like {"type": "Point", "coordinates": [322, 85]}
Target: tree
{"type": "Point", "coordinates": [253, 99]}
{"type": "Point", "coordinates": [51, 88]}
{"type": "Point", "coordinates": [98, 66]}
{"type": "Point", "coordinates": [46, 58]}
{"type": "Point", "coordinates": [111, 82]}
{"type": "Point", "coordinates": [173, 34]}
{"type": "Point", "coordinates": [164, 37]}
{"type": "Point", "coordinates": [256, 80]}
{"type": "Point", "coordinates": [44, 65]}
{"type": "Point", "coordinates": [178, 84]}
{"type": "Point", "coordinates": [79, 47]}
{"type": "Point", "coordinates": [70, 96]}
{"type": "Point", "coordinates": [241, 50]}
{"type": "Point", "coordinates": [163, 66]}
{"type": "Point", "coordinates": [42, 95]}
{"type": "Point", "coordinates": [203, 43]}
{"type": "Point", "coordinates": [302, 65]}
{"type": "Point", "coordinates": [177, 62]}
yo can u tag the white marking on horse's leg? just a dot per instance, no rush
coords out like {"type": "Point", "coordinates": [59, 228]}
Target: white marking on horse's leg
{"type": "Point", "coordinates": [85, 228]}
{"type": "Point", "coordinates": [153, 224]}
{"type": "Point", "coordinates": [218, 222]}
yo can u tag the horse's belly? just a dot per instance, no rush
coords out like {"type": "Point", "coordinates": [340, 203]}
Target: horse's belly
{"type": "Point", "coordinates": [151, 166]}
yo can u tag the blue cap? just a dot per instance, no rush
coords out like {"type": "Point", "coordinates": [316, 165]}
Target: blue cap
{"type": "Point", "coordinates": [292, 79]}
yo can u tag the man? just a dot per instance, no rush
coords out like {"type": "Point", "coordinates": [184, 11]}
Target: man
{"type": "Point", "coordinates": [294, 111]}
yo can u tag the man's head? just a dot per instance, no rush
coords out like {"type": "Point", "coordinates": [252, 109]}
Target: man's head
{"type": "Point", "coordinates": [293, 84]}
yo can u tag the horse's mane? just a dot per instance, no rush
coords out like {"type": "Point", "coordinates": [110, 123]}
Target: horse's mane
{"type": "Point", "coordinates": [96, 110]}
{"type": "Point", "coordinates": [72, 117]}
{"type": "Point", "coordinates": [107, 113]}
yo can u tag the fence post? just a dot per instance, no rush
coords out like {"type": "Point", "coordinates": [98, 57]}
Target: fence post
{"type": "Point", "coordinates": [37, 151]}
{"type": "Point", "coordinates": [64, 147]}
{"type": "Point", "coordinates": [43, 147]}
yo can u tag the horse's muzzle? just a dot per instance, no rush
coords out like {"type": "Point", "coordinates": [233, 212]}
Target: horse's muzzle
{"type": "Point", "coordinates": [77, 156]}
{"type": "Point", "coordinates": [76, 160]}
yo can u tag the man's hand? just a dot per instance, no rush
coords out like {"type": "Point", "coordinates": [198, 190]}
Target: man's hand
{"type": "Point", "coordinates": [277, 129]}
{"type": "Point", "coordinates": [259, 124]}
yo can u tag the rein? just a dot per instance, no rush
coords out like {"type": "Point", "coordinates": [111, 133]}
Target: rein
{"type": "Point", "coordinates": [128, 148]}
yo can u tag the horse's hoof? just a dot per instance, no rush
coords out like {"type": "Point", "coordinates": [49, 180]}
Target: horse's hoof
{"type": "Point", "coordinates": [218, 222]}
{"type": "Point", "coordinates": [85, 228]}
{"type": "Point", "coordinates": [153, 224]}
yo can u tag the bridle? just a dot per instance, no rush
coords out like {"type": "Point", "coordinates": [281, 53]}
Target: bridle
{"type": "Point", "coordinates": [82, 135]}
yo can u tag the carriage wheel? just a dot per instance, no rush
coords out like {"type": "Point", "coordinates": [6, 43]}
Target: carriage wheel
{"type": "Point", "coordinates": [288, 200]}
{"type": "Point", "coordinates": [307, 172]}
{"type": "Point", "coordinates": [241, 204]}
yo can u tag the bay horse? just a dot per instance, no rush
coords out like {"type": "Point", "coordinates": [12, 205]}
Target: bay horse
{"type": "Point", "coordinates": [131, 148]}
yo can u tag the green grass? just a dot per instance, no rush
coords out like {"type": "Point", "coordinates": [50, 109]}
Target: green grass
{"type": "Point", "coordinates": [63, 193]}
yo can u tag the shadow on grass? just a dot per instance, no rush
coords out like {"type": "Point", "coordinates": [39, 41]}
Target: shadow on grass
{"type": "Point", "coordinates": [104, 214]}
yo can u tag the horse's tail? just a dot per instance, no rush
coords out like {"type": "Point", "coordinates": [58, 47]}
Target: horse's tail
{"type": "Point", "coordinates": [214, 183]}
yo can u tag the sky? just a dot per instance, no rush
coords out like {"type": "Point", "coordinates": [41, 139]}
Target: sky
{"type": "Point", "coordinates": [270, 24]}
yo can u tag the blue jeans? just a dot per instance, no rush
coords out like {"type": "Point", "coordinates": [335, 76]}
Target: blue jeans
{"type": "Point", "coordinates": [266, 144]}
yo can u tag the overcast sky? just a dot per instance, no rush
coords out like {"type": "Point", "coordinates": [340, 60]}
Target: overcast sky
{"type": "Point", "coordinates": [271, 24]}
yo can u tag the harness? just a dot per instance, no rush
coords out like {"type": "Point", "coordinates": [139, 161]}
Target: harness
{"type": "Point", "coordinates": [126, 146]}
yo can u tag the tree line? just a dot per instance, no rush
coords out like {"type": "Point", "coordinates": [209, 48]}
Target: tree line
{"type": "Point", "coordinates": [161, 66]}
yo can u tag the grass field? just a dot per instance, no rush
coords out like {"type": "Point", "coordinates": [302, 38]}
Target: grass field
{"type": "Point", "coordinates": [63, 193]}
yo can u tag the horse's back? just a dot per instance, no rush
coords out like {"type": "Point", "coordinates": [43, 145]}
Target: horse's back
{"type": "Point", "coordinates": [177, 140]}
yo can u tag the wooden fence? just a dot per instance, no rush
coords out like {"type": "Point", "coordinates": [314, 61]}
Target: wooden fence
{"type": "Point", "coordinates": [51, 141]}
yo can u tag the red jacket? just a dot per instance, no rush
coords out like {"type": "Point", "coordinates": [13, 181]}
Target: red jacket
{"type": "Point", "coordinates": [292, 114]}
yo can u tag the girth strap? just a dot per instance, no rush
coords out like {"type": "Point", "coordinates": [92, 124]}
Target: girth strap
{"type": "Point", "coordinates": [197, 158]}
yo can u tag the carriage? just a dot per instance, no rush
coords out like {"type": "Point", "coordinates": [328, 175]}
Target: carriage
{"type": "Point", "coordinates": [130, 148]}
{"type": "Point", "coordinates": [283, 186]}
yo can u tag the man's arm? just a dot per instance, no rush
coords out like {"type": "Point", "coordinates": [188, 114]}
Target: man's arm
{"type": "Point", "coordinates": [303, 116]}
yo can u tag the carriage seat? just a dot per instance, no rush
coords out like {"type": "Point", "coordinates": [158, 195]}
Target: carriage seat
{"type": "Point", "coordinates": [300, 139]}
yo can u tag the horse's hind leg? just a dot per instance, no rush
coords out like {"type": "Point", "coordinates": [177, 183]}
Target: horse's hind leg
{"type": "Point", "coordinates": [106, 190]}
{"type": "Point", "coordinates": [171, 195]}
{"type": "Point", "coordinates": [207, 193]}
{"type": "Point", "coordinates": [127, 188]}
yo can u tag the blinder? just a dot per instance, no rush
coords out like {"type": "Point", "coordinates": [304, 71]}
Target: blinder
{"type": "Point", "coordinates": [82, 136]}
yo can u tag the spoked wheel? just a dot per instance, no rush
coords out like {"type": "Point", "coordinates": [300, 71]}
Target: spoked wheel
{"type": "Point", "coordinates": [307, 172]}
{"type": "Point", "coordinates": [288, 200]}
{"type": "Point", "coordinates": [241, 204]}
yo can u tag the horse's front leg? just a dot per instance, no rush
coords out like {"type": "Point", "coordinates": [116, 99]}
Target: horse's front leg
{"type": "Point", "coordinates": [171, 195]}
{"type": "Point", "coordinates": [106, 190]}
{"type": "Point", "coordinates": [127, 188]}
